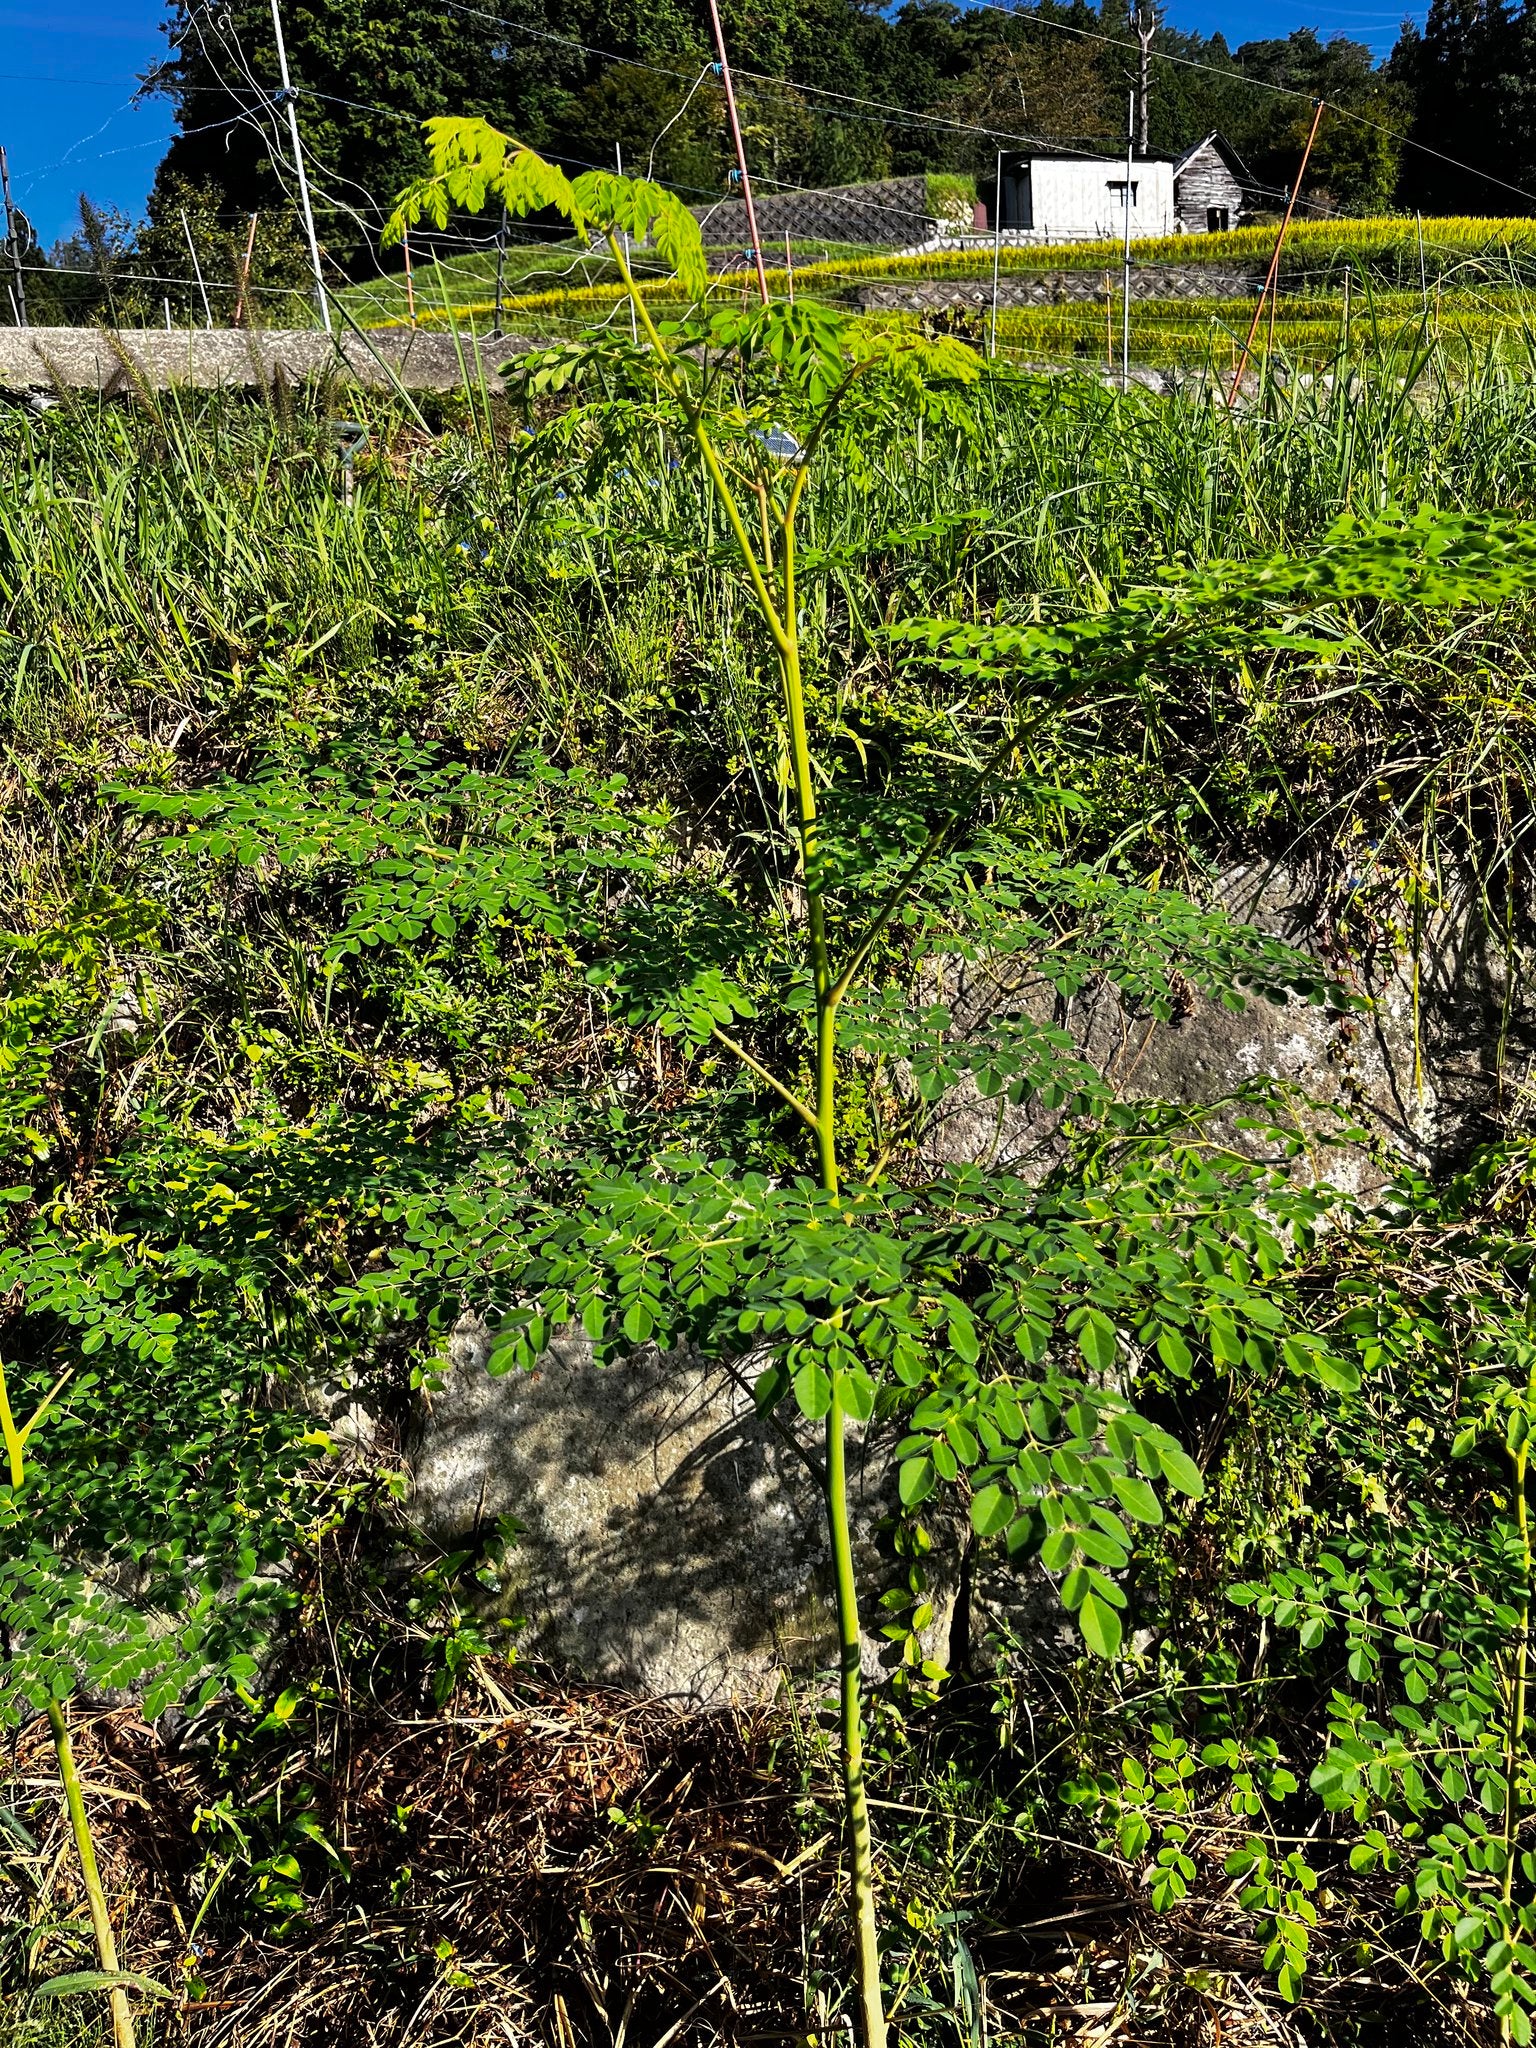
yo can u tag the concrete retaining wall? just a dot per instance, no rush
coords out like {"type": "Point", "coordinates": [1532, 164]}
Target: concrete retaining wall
{"type": "Point", "coordinates": [87, 359]}
{"type": "Point", "coordinates": [1063, 287]}
{"type": "Point", "coordinates": [893, 210]}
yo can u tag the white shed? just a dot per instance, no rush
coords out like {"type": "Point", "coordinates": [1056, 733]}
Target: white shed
{"type": "Point", "coordinates": [1077, 198]}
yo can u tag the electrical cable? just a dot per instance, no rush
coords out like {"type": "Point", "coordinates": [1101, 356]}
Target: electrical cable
{"type": "Point", "coordinates": [911, 117]}
{"type": "Point", "coordinates": [1036, 19]}
{"type": "Point", "coordinates": [461, 6]}
{"type": "Point", "coordinates": [250, 116]}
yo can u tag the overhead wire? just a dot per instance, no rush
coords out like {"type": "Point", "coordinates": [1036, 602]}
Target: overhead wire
{"type": "Point", "coordinates": [910, 116]}
{"type": "Point", "coordinates": [1034, 18]}
{"type": "Point", "coordinates": [1038, 20]}
{"type": "Point", "coordinates": [885, 111]}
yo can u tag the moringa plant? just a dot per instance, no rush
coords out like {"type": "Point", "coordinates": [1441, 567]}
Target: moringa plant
{"type": "Point", "coordinates": [996, 1320]}
{"type": "Point", "coordinates": [902, 927]}
{"type": "Point", "coordinates": [151, 1489]}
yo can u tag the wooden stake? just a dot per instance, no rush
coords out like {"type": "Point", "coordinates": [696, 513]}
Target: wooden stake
{"type": "Point", "coordinates": [1274, 262]}
{"type": "Point", "coordinates": [245, 273]}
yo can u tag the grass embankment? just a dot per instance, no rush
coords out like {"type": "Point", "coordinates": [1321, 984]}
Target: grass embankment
{"type": "Point", "coordinates": [464, 287]}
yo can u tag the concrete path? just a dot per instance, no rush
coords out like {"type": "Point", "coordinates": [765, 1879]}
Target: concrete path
{"type": "Point", "coordinates": [89, 359]}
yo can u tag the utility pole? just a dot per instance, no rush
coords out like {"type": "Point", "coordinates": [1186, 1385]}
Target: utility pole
{"type": "Point", "coordinates": [290, 101]}
{"type": "Point", "coordinates": [14, 239]}
{"type": "Point", "coordinates": [1146, 19]}
{"type": "Point", "coordinates": [1125, 310]}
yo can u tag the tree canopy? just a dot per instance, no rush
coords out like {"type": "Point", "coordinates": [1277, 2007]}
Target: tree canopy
{"type": "Point", "coordinates": [831, 91]}
{"type": "Point", "coordinates": [929, 86]}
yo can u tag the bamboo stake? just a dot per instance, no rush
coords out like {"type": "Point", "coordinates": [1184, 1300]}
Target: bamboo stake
{"type": "Point", "coordinates": [1274, 261]}
{"type": "Point", "coordinates": [245, 274]}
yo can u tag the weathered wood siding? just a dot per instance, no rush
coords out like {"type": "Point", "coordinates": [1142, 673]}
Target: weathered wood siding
{"type": "Point", "coordinates": [1203, 183]}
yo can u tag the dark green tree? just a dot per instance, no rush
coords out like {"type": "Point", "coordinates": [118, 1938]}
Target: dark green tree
{"type": "Point", "coordinates": [364, 75]}
{"type": "Point", "coordinates": [254, 267]}
{"type": "Point", "coordinates": [572, 81]}
{"type": "Point", "coordinates": [1354, 163]}
{"type": "Point", "coordinates": [1469, 74]}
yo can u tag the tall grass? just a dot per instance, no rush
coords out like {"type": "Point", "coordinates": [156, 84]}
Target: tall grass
{"type": "Point", "coordinates": [59, 2023]}
{"type": "Point", "coordinates": [196, 548]}
{"type": "Point", "coordinates": [181, 581]}
{"type": "Point", "coordinates": [185, 587]}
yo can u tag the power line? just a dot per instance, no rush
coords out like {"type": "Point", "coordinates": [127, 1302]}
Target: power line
{"type": "Point", "coordinates": [1036, 19]}
{"type": "Point", "coordinates": [267, 107]}
{"type": "Point", "coordinates": [911, 117]}
{"type": "Point", "coordinates": [1033, 18]}
{"type": "Point", "coordinates": [888, 108]}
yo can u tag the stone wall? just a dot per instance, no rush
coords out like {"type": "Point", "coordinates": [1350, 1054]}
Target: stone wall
{"type": "Point", "coordinates": [894, 210]}
{"type": "Point", "coordinates": [1063, 287]}
{"type": "Point", "coordinates": [85, 358]}
{"type": "Point", "coordinates": [674, 1539]}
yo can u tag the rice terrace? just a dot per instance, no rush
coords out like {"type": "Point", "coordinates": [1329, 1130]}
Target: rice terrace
{"type": "Point", "coordinates": [767, 1037]}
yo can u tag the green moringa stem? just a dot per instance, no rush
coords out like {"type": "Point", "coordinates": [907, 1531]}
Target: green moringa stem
{"type": "Point", "coordinates": [861, 1853]}
{"type": "Point", "coordinates": [783, 625]}
{"type": "Point", "coordinates": [101, 1919]}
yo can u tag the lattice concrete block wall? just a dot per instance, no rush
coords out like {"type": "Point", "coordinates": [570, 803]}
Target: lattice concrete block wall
{"type": "Point", "coordinates": [1063, 287]}
{"type": "Point", "coordinates": [894, 210]}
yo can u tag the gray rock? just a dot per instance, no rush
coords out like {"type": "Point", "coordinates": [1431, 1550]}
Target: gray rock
{"type": "Point", "coordinates": [1422, 1069]}
{"type": "Point", "coordinates": [673, 1540]}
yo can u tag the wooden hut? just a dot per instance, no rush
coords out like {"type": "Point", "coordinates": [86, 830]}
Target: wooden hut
{"type": "Point", "coordinates": [1211, 187]}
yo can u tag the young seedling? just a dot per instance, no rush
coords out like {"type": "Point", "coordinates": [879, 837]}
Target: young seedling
{"type": "Point", "coordinates": [864, 1300]}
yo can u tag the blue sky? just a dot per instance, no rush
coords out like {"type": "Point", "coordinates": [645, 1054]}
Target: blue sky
{"type": "Point", "coordinates": [67, 77]}
{"type": "Point", "coordinates": [1246, 20]}
{"type": "Point", "coordinates": [67, 81]}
